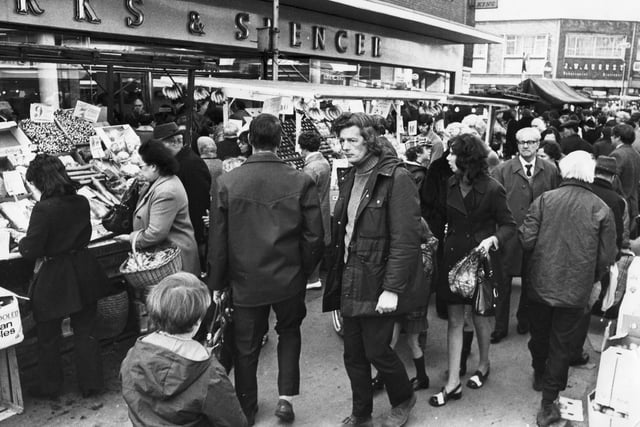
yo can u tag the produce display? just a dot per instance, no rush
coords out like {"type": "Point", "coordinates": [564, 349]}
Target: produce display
{"type": "Point", "coordinates": [47, 136]}
{"type": "Point", "coordinates": [144, 260]}
{"type": "Point", "coordinates": [18, 213]}
{"type": "Point", "coordinates": [77, 130]}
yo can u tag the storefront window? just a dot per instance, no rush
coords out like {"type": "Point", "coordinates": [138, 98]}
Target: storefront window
{"type": "Point", "coordinates": [594, 46]}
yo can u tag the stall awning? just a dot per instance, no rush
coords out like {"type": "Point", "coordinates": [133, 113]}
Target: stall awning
{"type": "Point", "coordinates": [554, 92]}
{"type": "Point", "coordinates": [260, 90]}
{"type": "Point", "coordinates": [471, 100]}
{"type": "Point", "coordinates": [397, 17]}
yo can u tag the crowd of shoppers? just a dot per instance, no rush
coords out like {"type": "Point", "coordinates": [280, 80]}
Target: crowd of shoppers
{"type": "Point", "coordinates": [256, 227]}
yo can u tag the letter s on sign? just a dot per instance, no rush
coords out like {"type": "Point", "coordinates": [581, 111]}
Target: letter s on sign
{"type": "Point", "coordinates": [242, 19]}
{"type": "Point", "coordinates": [138, 16]}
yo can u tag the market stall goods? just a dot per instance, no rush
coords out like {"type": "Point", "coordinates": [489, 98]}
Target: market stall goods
{"type": "Point", "coordinates": [49, 138]}
{"type": "Point", "coordinates": [77, 130]}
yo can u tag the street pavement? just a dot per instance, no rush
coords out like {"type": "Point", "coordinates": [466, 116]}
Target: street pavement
{"type": "Point", "coordinates": [507, 398]}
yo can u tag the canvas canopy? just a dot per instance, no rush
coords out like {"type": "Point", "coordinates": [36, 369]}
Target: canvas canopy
{"type": "Point", "coordinates": [554, 92]}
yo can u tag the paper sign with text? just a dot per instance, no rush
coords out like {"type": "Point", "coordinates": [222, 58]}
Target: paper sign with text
{"type": "Point", "coordinates": [412, 127]}
{"type": "Point", "coordinates": [381, 108]}
{"type": "Point", "coordinates": [86, 112]}
{"type": "Point", "coordinates": [41, 113]}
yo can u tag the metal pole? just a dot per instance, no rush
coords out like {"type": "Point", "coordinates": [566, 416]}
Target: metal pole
{"type": "Point", "coordinates": [110, 101]}
{"type": "Point", "coordinates": [628, 66]}
{"type": "Point", "coordinates": [191, 83]}
{"type": "Point", "coordinates": [275, 36]}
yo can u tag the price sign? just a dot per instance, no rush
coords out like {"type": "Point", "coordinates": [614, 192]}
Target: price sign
{"type": "Point", "coordinates": [95, 145]}
{"type": "Point", "coordinates": [41, 113]}
{"type": "Point", "coordinates": [13, 183]}
{"type": "Point", "coordinates": [271, 106]}
{"type": "Point", "coordinates": [86, 112]}
{"type": "Point", "coordinates": [412, 127]}
{"type": "Point", "coordinates": [381, 108]}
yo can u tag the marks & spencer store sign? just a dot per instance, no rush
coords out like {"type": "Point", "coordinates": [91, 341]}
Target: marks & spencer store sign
{"type": "Point", "coordinates": [217, 22]}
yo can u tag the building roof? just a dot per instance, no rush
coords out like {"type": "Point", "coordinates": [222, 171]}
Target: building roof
{"type": "Point", "coordinates": [512, 10]}
{"type": "Point", "coordinates": [397, 17]}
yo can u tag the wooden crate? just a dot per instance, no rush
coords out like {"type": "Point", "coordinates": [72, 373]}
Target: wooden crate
{"type": "Point", "coordinates": [10, 390]}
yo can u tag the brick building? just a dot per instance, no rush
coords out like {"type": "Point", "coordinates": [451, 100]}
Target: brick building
{"type": "Point", "coordinates": [594, 49]}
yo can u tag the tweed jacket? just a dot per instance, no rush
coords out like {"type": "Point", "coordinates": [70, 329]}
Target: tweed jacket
{"type": "Point", "coordinates": [520, 193]}
{"type": "Point", "coordinates": [319, 169]}
{"type": "Point", "coordinates": [162, 213]}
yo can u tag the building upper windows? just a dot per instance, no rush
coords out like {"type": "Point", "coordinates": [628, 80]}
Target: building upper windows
{"type": "Point", "coordinates": [533, 46]}
{"type": "Point", "coordinates": [580, 45]}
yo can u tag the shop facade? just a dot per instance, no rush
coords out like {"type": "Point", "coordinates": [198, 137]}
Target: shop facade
{"type": "Point", "coordinates": [411, 51]}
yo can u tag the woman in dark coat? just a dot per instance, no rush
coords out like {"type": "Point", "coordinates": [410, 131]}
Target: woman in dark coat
{"type": "Point", "coordinates": [68, 279]}
{"type": "Point", "coordinates": [477, 217]}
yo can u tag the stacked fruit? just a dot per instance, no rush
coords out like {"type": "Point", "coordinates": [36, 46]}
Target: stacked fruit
{"type": "Point", "coordinates": [77, 130]}
{"type": "Point", "coordinates": [48, 136]}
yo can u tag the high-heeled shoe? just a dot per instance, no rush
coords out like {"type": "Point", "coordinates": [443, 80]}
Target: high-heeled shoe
{"type": "Point", "coordinates": [478, 379]}
{"type": "Point", "coordinates": [441, 398]}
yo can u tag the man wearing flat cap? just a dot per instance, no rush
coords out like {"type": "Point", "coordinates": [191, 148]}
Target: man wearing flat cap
{"type": "Point", "coordinates": [571, 141]}
{"type": "Point", "coordinates": [194, 175]}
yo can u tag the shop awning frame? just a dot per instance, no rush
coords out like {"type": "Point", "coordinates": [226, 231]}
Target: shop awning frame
{"type": "Point", "coordinates": [259, 90]}
{"type": "Point", "coordinates": [26, 52]}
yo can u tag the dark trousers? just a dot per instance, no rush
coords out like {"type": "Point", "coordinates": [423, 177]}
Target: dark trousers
{"type": "Point", "coordinates": [86, 352]}
{"type": "Point", "coordinates": [367, 342]}
{"type": "Point", "coordinates": [583, 331]}
{"type": "Point", "coordinates": [503, 304]}
{"type": "Point", "coordinates": [249, 326]}
{"type": "Point", "coordinates": [555, 332]}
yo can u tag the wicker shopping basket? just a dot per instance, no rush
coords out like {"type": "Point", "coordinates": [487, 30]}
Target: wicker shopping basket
{"type": "Point", "coordinates": [145, 277]}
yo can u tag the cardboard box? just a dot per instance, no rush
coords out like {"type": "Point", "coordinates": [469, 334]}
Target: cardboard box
{"type": "Point", "coordinates": [629, 314]}
{"type": "Point", "coordinates": [604, 416]}
{"type": "Point", "coordinates": [618, 383]}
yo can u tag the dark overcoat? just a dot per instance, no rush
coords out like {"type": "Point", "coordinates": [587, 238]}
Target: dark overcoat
{"type": "Point", "coordinates": [488, 215]}
{"type": "Point", "coordinates": [520, 193]}
{"type": "Point", "coordinates": [69, 277]}
{"type": "Point", "coordinates": [196, 179]}
{"type": "Point", "coordinates": [385, 244]}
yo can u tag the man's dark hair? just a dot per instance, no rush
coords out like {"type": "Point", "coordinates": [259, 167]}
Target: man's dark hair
{"type": "Point", "coordinates": [49, 176]}
{"type": "Point", "coordinates": [155, 153]}
{"type": "Point", "coordinates": [412, 153]}
{"type": "Point", "coordinates": [309, 141]}
{"type": "Point", "coordinates": [145, 119]}
{"type": "Point", "coordinates": [425, 119]}
{"type": "Point", "coordinates": [381, 125]}
{"type": "Point", "coordinates": [367, 129]}
{"type": "Point", "coordinates": [625, 133]}
{"type": "Point", "coordinates": [265, 132]}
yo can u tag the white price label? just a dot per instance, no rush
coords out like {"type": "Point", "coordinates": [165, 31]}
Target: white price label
{"type": "Point", "coordinates": [41, 113]}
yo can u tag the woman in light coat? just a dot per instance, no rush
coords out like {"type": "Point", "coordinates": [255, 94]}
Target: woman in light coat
{"type": "Point", "coordinates": [162, 211]}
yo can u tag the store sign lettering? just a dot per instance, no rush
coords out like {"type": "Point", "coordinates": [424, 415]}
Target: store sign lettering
{"type": "Point", "coordinates": [138, 16]}
{"type": "Point", "coordinates": [25, 7]}
{"type": "Point", "coordinates": [592, 69]}
{"type": "Point", "coordinates": [342, 40]}
{"type": "Point", "coordinates": [85, 12]}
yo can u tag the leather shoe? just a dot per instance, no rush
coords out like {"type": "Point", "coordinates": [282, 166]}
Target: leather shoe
{"type": "Point", "coordinates": [497, 336]}
{"type": "Point", "coordinates": [522, 328]}
{"type": "Point", "coordinates": [284, 411]}
{"type": "Point", "coordinates": [419, 385]}
{"type": "Point", "coordinates": [580, 361]}
{"type": "Point", "coordinates": [353, 421]}
{"type": "Point", "coordinates": [548, 414]}
{"type": "Point", "coordinates": [399, 415]}
{"type": "Point", "coordinates": [377, 383]}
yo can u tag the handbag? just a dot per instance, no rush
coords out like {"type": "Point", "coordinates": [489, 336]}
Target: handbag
{"type": "Point", "coordinates": [219, 340]}
{"type": "Point", "coordinates": [463, 277]}
{"type": "Point", "coordinates": [485, 294]}
{"type": "Point", "coordinates": [119, 219]}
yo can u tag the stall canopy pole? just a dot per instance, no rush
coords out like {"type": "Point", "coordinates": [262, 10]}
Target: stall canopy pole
{"type": "Point", "coordinates": [488, 134]}
{"type": "Point", "coordinates": [275, 37]}
{"type": "Point", "coordinates": [109, 91]}
{"type": "Point", "coordinates": [191, 86]}
{"type": "Point", "coordinates": [399, 126]}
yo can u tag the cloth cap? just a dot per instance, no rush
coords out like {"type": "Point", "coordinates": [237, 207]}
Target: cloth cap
{"type": "Point", "coordinates": [607, 164]}
{"type": "Point", "coordinates": [570, 124]}
{"type": "Point", "coordinates": [165, 131]}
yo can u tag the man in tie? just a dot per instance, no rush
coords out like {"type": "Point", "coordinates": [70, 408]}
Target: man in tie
{"type": "Point", "coordinates": [524, 178]}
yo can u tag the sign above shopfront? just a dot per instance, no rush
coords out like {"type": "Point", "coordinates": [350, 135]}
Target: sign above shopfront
{"type": "Point", "coordinates": [486, 4]}
{"type": "Point", "coordinates": [599, 69]}
{"type": "Point", "coordinates": [234, 24]}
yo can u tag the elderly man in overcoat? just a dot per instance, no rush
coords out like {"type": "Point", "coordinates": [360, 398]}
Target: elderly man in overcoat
{"type": "Point", "coordinates": [571, 235]}
{"type": "Point", "coordinates": [266, 239]}
{"type": "Point", "coordinates": [524, 178]}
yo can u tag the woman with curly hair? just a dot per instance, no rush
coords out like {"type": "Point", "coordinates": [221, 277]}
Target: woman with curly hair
{"type": "Point", "coordinates": [477, 217]}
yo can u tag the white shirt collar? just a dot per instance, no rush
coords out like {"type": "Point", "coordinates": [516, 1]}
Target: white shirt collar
{"type": "Point", "coordinates": [524, 163]}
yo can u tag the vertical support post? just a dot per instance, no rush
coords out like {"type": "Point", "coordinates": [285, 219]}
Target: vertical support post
{"type": "Point", "coordinates": [399, 127]}
{"type": "Point", "coordinates": [275, 38]}
{"type": "Point", "coordinates": [488, 134]}
{"type": "Point", "coordinates": [110, 101]}
{"type": "Point", "coordinates": [148, 95]}
{"type": "Point", "coordinates": [191, 86]}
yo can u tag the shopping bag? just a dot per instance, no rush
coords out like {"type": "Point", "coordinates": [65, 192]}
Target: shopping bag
{"type": "Point", "coordinates": [463, 277]}
{"type": "Point", "coordinates": [10, 322]}
{"type": "Point", "coordinates": [219, 340]}
{"type": "Point", "coordinates": [618, 282]}
{"type": "Point", "coordinates": [485, 294]}
{"type": "Point", "coordinates": [119, 220]}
